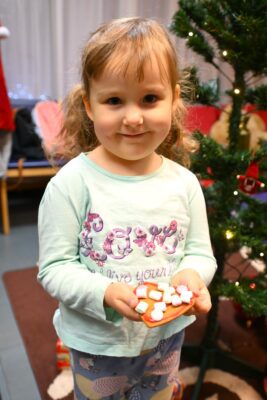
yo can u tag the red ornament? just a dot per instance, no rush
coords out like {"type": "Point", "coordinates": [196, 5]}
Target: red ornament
{"type": "Point", "coordinates": [253, 285]}
{"type": "Point", "coordinates": [249, 182]}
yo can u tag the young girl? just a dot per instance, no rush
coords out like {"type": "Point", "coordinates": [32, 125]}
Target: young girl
{"type": "Point", "coordinates": [121, 212]}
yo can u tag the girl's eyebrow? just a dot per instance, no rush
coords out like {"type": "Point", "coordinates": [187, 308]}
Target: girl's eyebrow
{"type": "Point", "coordinates": [108, 92]}
{"type": "Point", "coordinates": [156, 86]}
{"type": "Point", "coordinates": [148, 87]}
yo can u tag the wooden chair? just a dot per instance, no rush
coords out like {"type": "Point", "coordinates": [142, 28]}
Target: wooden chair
{"type": "Point", "coordinates": [16, 174]}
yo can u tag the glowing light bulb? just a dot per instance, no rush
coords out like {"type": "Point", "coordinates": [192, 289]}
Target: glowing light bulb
{"type": "Point", "coordinates": [235, 193]}
{"type": "Point", "coordinates": [237, 91]}
{"type": "Point", "coordinates": [261, 254]}
{"type": "Point", "coordinates": [224, 53]}
{"type": "Point", "coordinates": [237, 283]}
{"type": "Point", "coordinates": [190, 34]}
{"type": "Point", "coordinates": [229, 234]}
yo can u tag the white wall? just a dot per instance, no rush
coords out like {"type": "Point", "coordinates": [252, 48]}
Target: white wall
{"type": "Point", "coordinates": [42, 54]}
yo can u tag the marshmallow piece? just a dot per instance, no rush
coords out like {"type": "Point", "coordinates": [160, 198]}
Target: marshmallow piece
{"type": "Point", "coordinates": [167, 297]}
{"type": "Point", "coordinates": [141, 307]}
{"type": "Point", "coordinates": [162, 286]}
{"type": "Point", "coordinates": [156, 315]}
{"type": "Point", "coordinates": [141, 292]}
{"type": "Point", "coordinates": [160, 305]}
{"type": "Point", "coordinates": [176, 300]}
{"type": "Point", "coordinates": [186, 296]}
{"type": "Point", "coordinates": [155, 295]}
{"type": "Point", "coordinates": [181, 288]}
{"type": "Point", "coordinates": [188, 293]}
{"type": "Point", "coordinates": [170, 290]}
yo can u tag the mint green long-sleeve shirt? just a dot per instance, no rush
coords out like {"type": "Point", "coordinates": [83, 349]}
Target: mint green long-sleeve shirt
{"type": "Point", "coordinates": [96, 227]}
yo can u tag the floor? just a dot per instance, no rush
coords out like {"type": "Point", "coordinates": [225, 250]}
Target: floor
{"type": "Point", "coordinates": [17, 251]}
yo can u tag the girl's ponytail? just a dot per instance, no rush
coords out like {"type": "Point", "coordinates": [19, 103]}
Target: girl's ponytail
{"type": "Point", "coordinates": [77, 132]}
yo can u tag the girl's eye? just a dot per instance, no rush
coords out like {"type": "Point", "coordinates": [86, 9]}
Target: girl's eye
{"type": "Point", "coordinates": [114, 101]}
{"type": "Point", "coordinates": [150, 98]}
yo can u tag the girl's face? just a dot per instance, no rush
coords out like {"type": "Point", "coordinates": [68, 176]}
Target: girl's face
{"type": "Point", "coordinates": [131, 118]}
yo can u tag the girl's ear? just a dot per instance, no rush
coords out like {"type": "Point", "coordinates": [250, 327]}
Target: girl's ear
{"type": "Point", "coordinates": [176, 97]}
{"type": "Point", "coordinates": [87, 107]}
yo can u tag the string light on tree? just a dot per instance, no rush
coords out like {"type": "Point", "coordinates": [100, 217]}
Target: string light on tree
{"type": "Point", "coordinates": [236, 91]}
{"type": "Point", "coordinates": [229, 234]}
{"type": "Point", "coordinates": [224, 53]}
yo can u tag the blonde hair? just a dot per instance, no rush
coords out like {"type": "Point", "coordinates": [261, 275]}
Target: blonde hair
{"type": "Point", "coordinates": [119, 44]}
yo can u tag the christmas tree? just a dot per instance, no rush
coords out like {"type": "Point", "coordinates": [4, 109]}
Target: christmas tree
{"type": "Point", "coordinates": [235, 33]}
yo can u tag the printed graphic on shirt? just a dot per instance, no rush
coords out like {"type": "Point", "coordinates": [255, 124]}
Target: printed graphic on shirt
{"type": "Point", "coordinates": [120, 242]}
{"type": "Point", "coordinates": [141, 274]}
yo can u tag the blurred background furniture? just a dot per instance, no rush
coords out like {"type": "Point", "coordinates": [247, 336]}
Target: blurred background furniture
{"type": "Point", "coordinates": [34, 143]}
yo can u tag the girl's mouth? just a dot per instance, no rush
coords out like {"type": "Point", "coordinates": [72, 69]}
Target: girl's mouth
{"type": "Point", "coordinates": [133, 135]}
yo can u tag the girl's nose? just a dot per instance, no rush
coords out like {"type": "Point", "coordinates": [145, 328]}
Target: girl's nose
{"type": "Point", "coordinates": [133, 117]}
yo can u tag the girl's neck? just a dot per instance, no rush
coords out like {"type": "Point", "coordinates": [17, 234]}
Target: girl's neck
{"type": "Point", "coordinates": [116, 165]}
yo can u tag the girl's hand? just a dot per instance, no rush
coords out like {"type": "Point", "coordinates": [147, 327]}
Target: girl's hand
{"type": "Point", "coordinates": [192, 280]}
{"type": "Point", "coordinates": [121, 298]}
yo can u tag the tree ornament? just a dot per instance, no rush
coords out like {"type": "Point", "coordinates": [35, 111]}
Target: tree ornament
{"type": "Point", "coordinates": [249, 182]}
{"type": "Point", "coordinates": [253, 285]}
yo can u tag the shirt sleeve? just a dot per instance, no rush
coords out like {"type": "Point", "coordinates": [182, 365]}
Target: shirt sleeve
{"type": "Point", "coordinates": [198, 253]}
{"type": "Point", "coordinates": [60, 218]}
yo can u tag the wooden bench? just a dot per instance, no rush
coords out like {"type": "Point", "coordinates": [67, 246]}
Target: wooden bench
{"type": "Point", "coordinates": [16, 174]}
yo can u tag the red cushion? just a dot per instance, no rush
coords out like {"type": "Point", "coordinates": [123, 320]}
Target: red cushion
{"type": "Point", "coordinates": [49, 118]}
{"type": "Point", "coordinates": [201, 118]}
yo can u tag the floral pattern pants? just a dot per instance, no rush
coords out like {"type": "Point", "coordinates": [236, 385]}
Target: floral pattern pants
{"type": "Point", "coordinates": [150, 376]}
